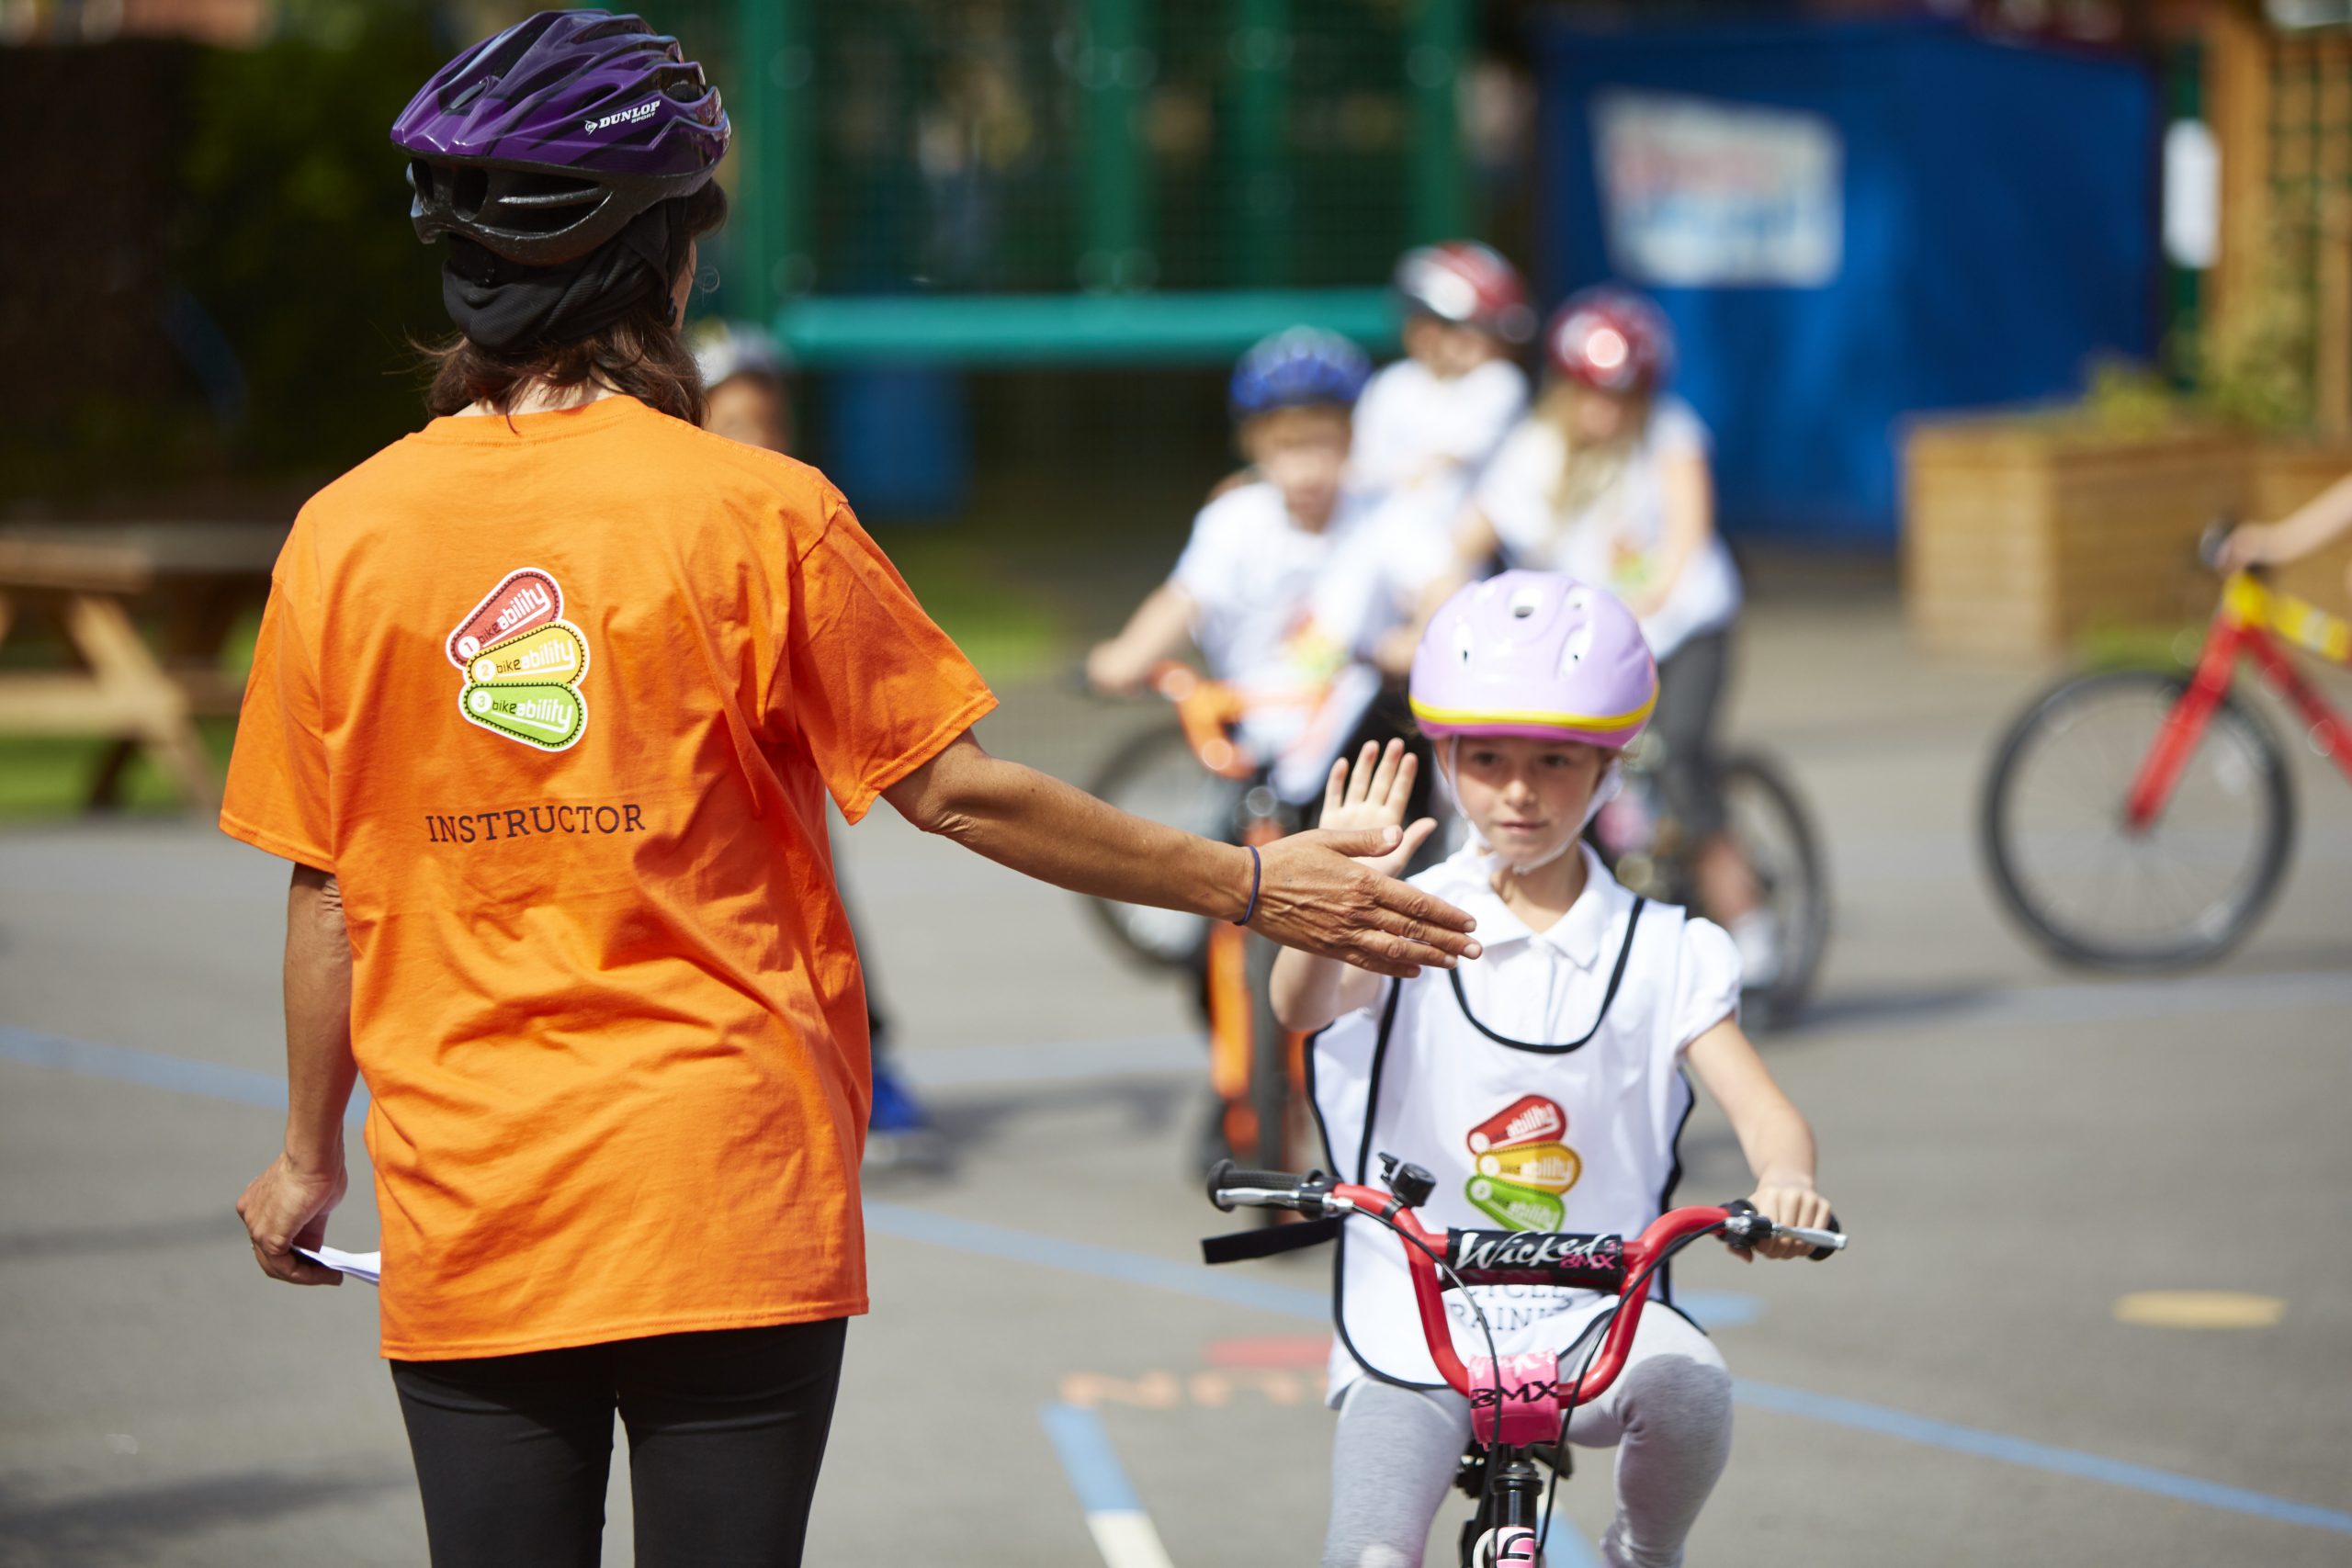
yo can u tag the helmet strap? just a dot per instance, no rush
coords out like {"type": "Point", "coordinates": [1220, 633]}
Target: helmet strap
{"type": "Point", "coordinates": [1604, 790]}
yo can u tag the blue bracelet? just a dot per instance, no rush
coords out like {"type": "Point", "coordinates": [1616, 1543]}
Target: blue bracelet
{"type": "Point", "coordinates": [1257, 869]}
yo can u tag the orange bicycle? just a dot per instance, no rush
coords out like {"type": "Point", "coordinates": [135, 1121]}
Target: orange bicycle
{"type": "Point", "coordinates": [1199, 774]}
{"type": "Point", "coordinates": [2140, 820]}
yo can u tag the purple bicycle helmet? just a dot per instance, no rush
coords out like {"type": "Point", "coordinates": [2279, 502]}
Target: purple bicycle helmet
{"type": "Point", "coordinates": [543, 142]}
{"type": "Point", "coordinates": [1536, 654]}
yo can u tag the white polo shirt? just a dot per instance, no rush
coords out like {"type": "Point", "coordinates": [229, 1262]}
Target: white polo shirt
{"type": "Point", "coordinates": [1542, 1086]}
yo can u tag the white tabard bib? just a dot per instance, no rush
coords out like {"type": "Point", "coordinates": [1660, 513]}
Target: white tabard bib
{"type": "Point", "coordinates": [1576, 1134]}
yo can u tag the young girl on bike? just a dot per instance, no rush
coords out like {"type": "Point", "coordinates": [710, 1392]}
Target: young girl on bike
{"type": "Point", "coordinates": [1608, 479]}
{"type": "Point", "coordinates": [1242, 590]}
{"type": "Point", "coordinates": [1543, 1085]}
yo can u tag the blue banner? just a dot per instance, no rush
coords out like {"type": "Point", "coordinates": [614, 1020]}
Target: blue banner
{"type": "Point", "coordinates": [1849, 224]}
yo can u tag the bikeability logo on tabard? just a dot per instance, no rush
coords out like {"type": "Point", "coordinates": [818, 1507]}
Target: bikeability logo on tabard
{"type": "Point", "coordinates": [522, 662]}
{"type": "Point", "coordinates": [1520, 1166]}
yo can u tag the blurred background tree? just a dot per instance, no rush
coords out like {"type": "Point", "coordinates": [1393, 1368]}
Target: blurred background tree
{"type": "Point", "coordinates": [216, 282]}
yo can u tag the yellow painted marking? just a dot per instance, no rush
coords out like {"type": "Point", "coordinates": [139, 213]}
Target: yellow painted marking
{"type": "Point", "coordinates": [2199, 1309]}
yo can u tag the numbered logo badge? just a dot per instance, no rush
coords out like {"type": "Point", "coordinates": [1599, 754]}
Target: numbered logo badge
{"type": "Point", "coordinates": [1520, 1165]}
{"type": "Point", "coordinates": [523, 663]}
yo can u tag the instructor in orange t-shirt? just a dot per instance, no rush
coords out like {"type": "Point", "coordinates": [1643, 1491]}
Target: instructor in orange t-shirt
{"type": "Point", "coordinates": [545, 709]}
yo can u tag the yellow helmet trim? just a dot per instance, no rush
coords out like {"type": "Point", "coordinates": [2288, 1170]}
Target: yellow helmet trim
{"type": "Point", "coordinates": [1466, 717]}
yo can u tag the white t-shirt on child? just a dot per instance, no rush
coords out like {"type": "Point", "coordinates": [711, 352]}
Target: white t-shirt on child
{"type": "Point", "coordinates": [1420, 441]}
{"type": "Point", "coordinates": [1614, 539]}
{"type": "Point", "coordinates": [1252, 572]}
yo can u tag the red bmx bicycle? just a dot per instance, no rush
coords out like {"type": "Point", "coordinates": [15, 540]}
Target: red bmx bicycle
{"type": "Point", "coordinates": [2140, 820]}
{"type": "Point", "coordinates": [1520, 1405]}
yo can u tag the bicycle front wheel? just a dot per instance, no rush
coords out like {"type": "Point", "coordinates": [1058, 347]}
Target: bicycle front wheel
{"type": "Point", "coordinates": [2088, 885]}
{"type": "Point", "coordinates": [1155, 775]}
{"type": "Point", "coordinates": [1773, 832]}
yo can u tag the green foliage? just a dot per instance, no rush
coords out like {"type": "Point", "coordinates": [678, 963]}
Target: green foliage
{"type": "Point", "coordinates": [294, 239]}
{"type": "Point", "coordinates": [2130, 400]}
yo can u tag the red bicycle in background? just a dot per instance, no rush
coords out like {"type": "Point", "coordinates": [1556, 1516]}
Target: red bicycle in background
{"type": "Point", "coordinates": [1520, 1405]}
{"type": "Point", "coordinates": [2140, 820]}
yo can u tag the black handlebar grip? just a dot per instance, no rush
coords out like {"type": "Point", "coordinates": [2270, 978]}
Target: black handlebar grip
{"type": "Point", "coordinates": [1742, 1206]}
{"type": "Point", "coordinates": [1225, 1174]}
{"type": "Point", "coordinates": [2209, 543]}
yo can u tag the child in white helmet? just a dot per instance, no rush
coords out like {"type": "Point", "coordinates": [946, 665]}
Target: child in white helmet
{"type": "Point", "coordinates": [1426, 427]}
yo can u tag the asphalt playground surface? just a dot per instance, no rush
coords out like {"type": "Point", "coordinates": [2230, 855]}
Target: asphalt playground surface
{"type": "Point", "coordinates": [2015, 1148]}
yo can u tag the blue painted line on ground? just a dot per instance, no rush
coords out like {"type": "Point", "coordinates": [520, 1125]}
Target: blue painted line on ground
{"type": "Point", "coordinates": [243, 1087]}
{"type": "Point", "coordinates": [1084, 1448]}
{"type": "Point", "coordinates": [2025, 1452]}
{"type": "Point", "coordinates": [154, 1069]}
{"type": "Point", "coordinates": [149, 1069]}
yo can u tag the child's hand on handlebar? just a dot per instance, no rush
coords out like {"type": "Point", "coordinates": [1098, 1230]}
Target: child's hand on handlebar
{"type": "Point", "coordinates": [2247, 545]}
{"type": "Point", "coordinates": [1788, 1203]}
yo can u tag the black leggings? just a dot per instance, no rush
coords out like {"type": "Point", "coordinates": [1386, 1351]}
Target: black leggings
{"type": "Point", "coordinates": [1690, 683]}
{"type": "Point", "coordinates": [726, 1432]}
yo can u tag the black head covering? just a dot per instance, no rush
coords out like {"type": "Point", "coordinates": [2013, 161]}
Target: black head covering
{"type": "Point", "coordinates": [505, 305]}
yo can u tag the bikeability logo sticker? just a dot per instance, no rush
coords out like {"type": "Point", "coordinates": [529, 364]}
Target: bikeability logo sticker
{"type": "Point", "coordinates": [1520, 1166]}
{"type": "Point", "coordinates": [522, 662]}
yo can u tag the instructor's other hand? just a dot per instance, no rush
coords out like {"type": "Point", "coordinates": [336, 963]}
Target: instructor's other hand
{"type": "Point", "coordinates": [284, 1208]}
{"type": "Point", "coordinates": [1315, 894]}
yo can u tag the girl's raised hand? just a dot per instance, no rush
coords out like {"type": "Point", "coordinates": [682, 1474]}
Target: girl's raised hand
{"type": "Point", "coordinates": [1373, 792]}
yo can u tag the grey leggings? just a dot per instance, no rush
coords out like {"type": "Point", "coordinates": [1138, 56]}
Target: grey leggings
{"type": "Point", "coordinates": [1690, 683]}
{"type": "Point", "coordinates": [1669, 1415]}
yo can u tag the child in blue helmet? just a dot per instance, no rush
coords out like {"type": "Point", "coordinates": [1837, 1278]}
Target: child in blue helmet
{"type": "Point", "coordinates": [1243, 589]}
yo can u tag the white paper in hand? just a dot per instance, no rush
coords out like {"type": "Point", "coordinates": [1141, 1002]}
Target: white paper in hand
{"type": "Point", "coordinates": [367, 1266]}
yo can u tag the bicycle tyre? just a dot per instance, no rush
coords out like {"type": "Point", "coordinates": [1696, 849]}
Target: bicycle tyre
{"type": "Point", "coordinates": [2072, 942]}
{"type": "Point", "coordinates": [1159, 938]}
{"type": "Point", "coordinates": [1802, 913]}
{"type": "Point", "coordinates": [1272, 1103]}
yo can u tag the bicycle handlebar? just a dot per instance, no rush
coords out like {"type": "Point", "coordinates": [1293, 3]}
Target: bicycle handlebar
{"type": "Point", "coordinates": [1611, 1264]}
{"type": "Point", "coordinates": [2216, 534]}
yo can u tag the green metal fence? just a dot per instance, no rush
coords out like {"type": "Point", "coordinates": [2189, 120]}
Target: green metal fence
{"type": "Point", "coordinates": [1006, 180]}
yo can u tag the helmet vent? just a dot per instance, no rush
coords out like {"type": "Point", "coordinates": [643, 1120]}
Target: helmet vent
{"type": "Point", "coordinates": [1525, 603]}
{"type": "Point", "coordinates": [471, 188]}
{"type": "Point", "coordinates": [1461, 642]}
{"type": "Point", "coordinates": [541, 193]}
{"type": "Point", "coordinates": [1579, 643]}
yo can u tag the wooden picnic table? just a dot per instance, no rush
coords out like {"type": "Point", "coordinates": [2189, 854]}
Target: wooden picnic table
{"type": "Point", "coordinates": [91, 580]}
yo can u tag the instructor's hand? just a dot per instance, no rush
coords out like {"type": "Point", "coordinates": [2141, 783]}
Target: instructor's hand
{"type": "Point", "coordinates": [1316, 894]}
{"type": "Point", "coordinates": [284, 1208]}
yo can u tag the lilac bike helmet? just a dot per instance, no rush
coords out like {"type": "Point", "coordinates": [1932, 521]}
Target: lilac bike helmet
{"type": "Point", "coordinates": [1536, 654]}
{"type": "Point", "coordinates": [542, 143]}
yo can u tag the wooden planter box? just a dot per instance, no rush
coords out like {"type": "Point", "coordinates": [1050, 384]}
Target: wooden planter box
{"type": "Point", "coordinates": [2022, 532]}
{"type": "Point", "coordinates": [2285, 474]}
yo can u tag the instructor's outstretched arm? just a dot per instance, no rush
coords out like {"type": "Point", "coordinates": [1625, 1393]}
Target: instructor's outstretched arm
{"type": "Point", "coordinates": [1313, 894]}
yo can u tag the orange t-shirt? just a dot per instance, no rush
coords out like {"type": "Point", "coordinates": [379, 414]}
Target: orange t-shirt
{"type": "Point", "coordinates": [558, 700]}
